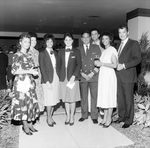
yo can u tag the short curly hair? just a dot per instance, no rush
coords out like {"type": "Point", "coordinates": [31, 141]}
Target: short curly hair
{"type": "Point", "coordinates": [33, 34]}
{"type": "Point", "coordinates": [47, 37]}
{"type": "Point", "coordinates": [23, 35]}
{"type": "Point", "coordinates": [109, 34]}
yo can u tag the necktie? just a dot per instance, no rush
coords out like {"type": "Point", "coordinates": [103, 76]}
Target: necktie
{"type": "Point", "coordinates": [120, 49]}
{"type": "Point", "coordinates": [68, 50]}
{"type": "Point", "coordinates": [86, 49]}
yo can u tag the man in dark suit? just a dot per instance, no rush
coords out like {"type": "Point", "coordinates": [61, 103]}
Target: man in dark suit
{"type": "Point", "coordinates": [3, 69]}
{"type": "Point", "coordinates": [129, 56]}
{"type": "Point", "coordinates": [89, 77]}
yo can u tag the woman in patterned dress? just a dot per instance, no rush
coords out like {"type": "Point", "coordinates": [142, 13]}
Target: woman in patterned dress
{"type": "Point", "coordinates": [24, 100]}
{"type": "Point", "coordinates": [35, 55]}
{"type": "Point", "coordinates": [50, 80]}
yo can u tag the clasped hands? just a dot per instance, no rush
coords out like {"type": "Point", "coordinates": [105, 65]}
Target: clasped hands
{"type": "Point", "coordinates": [98, 63]}
{"type": "Point", "coordinates": [90, 75]}
{"type": "Point", "coordinates": [120, 67]}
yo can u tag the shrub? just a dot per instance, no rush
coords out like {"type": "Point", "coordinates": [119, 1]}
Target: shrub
{"type": "Point", "coordinates": [142, 97]}
{"type": "Point", "coordinates": [142, 110]}
{"type": "Point", "coordinates": [5, 107]}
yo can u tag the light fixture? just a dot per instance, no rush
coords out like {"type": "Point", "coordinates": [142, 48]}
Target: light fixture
{"type": "Point", "coordinates": [94, 17]}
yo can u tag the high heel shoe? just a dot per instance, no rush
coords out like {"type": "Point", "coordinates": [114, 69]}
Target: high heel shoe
{"type": "Point", "coordinates": [101, 124]}
{"type": "Point", "coordinates": [106, 126]}
{"type": "Point", "coordinates": [66, 123]}
{"type": "Point", "coordinates": [54, 122]}
{"type": "Point", "coordinates": [51, 125]}
{"type": "Point", "coordinates": [33, 130]}
{"type": "Point", "coordinates": [71, 123]}
{"type": "Point", "coordinates": [27, 133]}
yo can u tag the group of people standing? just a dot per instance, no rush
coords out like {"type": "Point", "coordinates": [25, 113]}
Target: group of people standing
{"type": "Point", "coordinates": [42, 79]}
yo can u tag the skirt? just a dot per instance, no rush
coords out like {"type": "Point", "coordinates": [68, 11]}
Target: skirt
{"type": "Point", "coordinates": [69, 95]}
{"type": "Point", "coordinates": [51, 97]}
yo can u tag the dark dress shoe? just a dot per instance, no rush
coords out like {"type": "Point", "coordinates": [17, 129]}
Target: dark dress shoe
{"type": "Point", "coordinates": [125, 125]}
{"type": "Point", "coordinates": [95, 121]}
{"type": "Point", "coordinates": [27, 133]}
{"type": "Point", "coordinates": [82, 119]}
{"type": "Point", "coordinates": [66, 123]}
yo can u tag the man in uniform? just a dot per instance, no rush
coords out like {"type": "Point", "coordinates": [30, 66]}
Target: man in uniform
{"type": "Point", "coordinates": [89, 77]}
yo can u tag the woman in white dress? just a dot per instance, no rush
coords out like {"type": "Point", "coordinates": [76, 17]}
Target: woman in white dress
{"type": "Point", "coordinates": [107, 82]}
{"type": "Point", "coordinates": [50, 80]}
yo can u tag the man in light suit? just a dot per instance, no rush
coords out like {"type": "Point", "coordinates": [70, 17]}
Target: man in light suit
{"type": "Point", "coordinates": [129, 56]}
{"type": "Point", "coordinates": [89, 77]}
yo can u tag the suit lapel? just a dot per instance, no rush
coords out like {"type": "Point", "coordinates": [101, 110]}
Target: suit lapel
{"type": "Point", "coordinates": [63, 56]}
{"type": "Point", "coordinates": [71, 53]}
{"type": "Point", "coordinates": [125, 47]}
{"type": "Point", "coordinates": [83, 51]}
{"type": "Point", "coordinates": [47, 56]}
{"type": "Point", "coordinates": [89, 51]}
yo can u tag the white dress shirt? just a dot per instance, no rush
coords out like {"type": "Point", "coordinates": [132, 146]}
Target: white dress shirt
{"type": "Point", "coordinates": [85, 47]}
{"type": "Point", "coordinates": [67, 54]}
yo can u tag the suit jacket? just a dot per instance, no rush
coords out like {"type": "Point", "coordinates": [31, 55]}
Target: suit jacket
{"type": "Point", "coordinates": [46, 66]}
{"type": "Point", "coordinates": [88, 61]}
{"type": "Point", "coordinates": [3, 63]}
{"type": "Point", "coordinates": [73, 67]}
{"type": "Point", "coordinates": [131, 57]}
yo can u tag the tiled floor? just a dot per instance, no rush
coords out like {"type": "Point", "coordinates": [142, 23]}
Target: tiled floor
{"type": "Point", "coordinates": [80, 135]}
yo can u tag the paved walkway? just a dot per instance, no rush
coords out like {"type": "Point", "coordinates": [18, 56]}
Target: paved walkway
{"type": "Point", "coordinates": [80, 135]}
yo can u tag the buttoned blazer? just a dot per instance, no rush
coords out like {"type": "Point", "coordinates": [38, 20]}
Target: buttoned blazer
{"type": "Point", "coordinates": [88, 60]}
{"type": "Point", "coordinates": [73, 67]}
{"type": "Point", "coordinates": [131, 57]}
{"type": "Point", "coordinates": [46, 67]}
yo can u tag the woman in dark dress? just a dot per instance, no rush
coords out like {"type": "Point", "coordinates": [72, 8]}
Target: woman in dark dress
{"type": "Point", "coordinates": [24, 100]}
{"type": "Point", "coordinates": [69, 64]}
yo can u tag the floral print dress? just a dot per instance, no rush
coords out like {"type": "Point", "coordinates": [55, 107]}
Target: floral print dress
{"type": "Point", "coordinates": [24, 98]}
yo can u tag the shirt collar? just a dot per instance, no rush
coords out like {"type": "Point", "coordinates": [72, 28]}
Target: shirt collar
{"type": "Point", "coordinates": [49, 50]}
{"type": "Point", "coordinates": [86, 45]}
{"type": "Point", "coordinates": [125, 41]}
{"type": "Point", "coordinates": [68, 47]}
